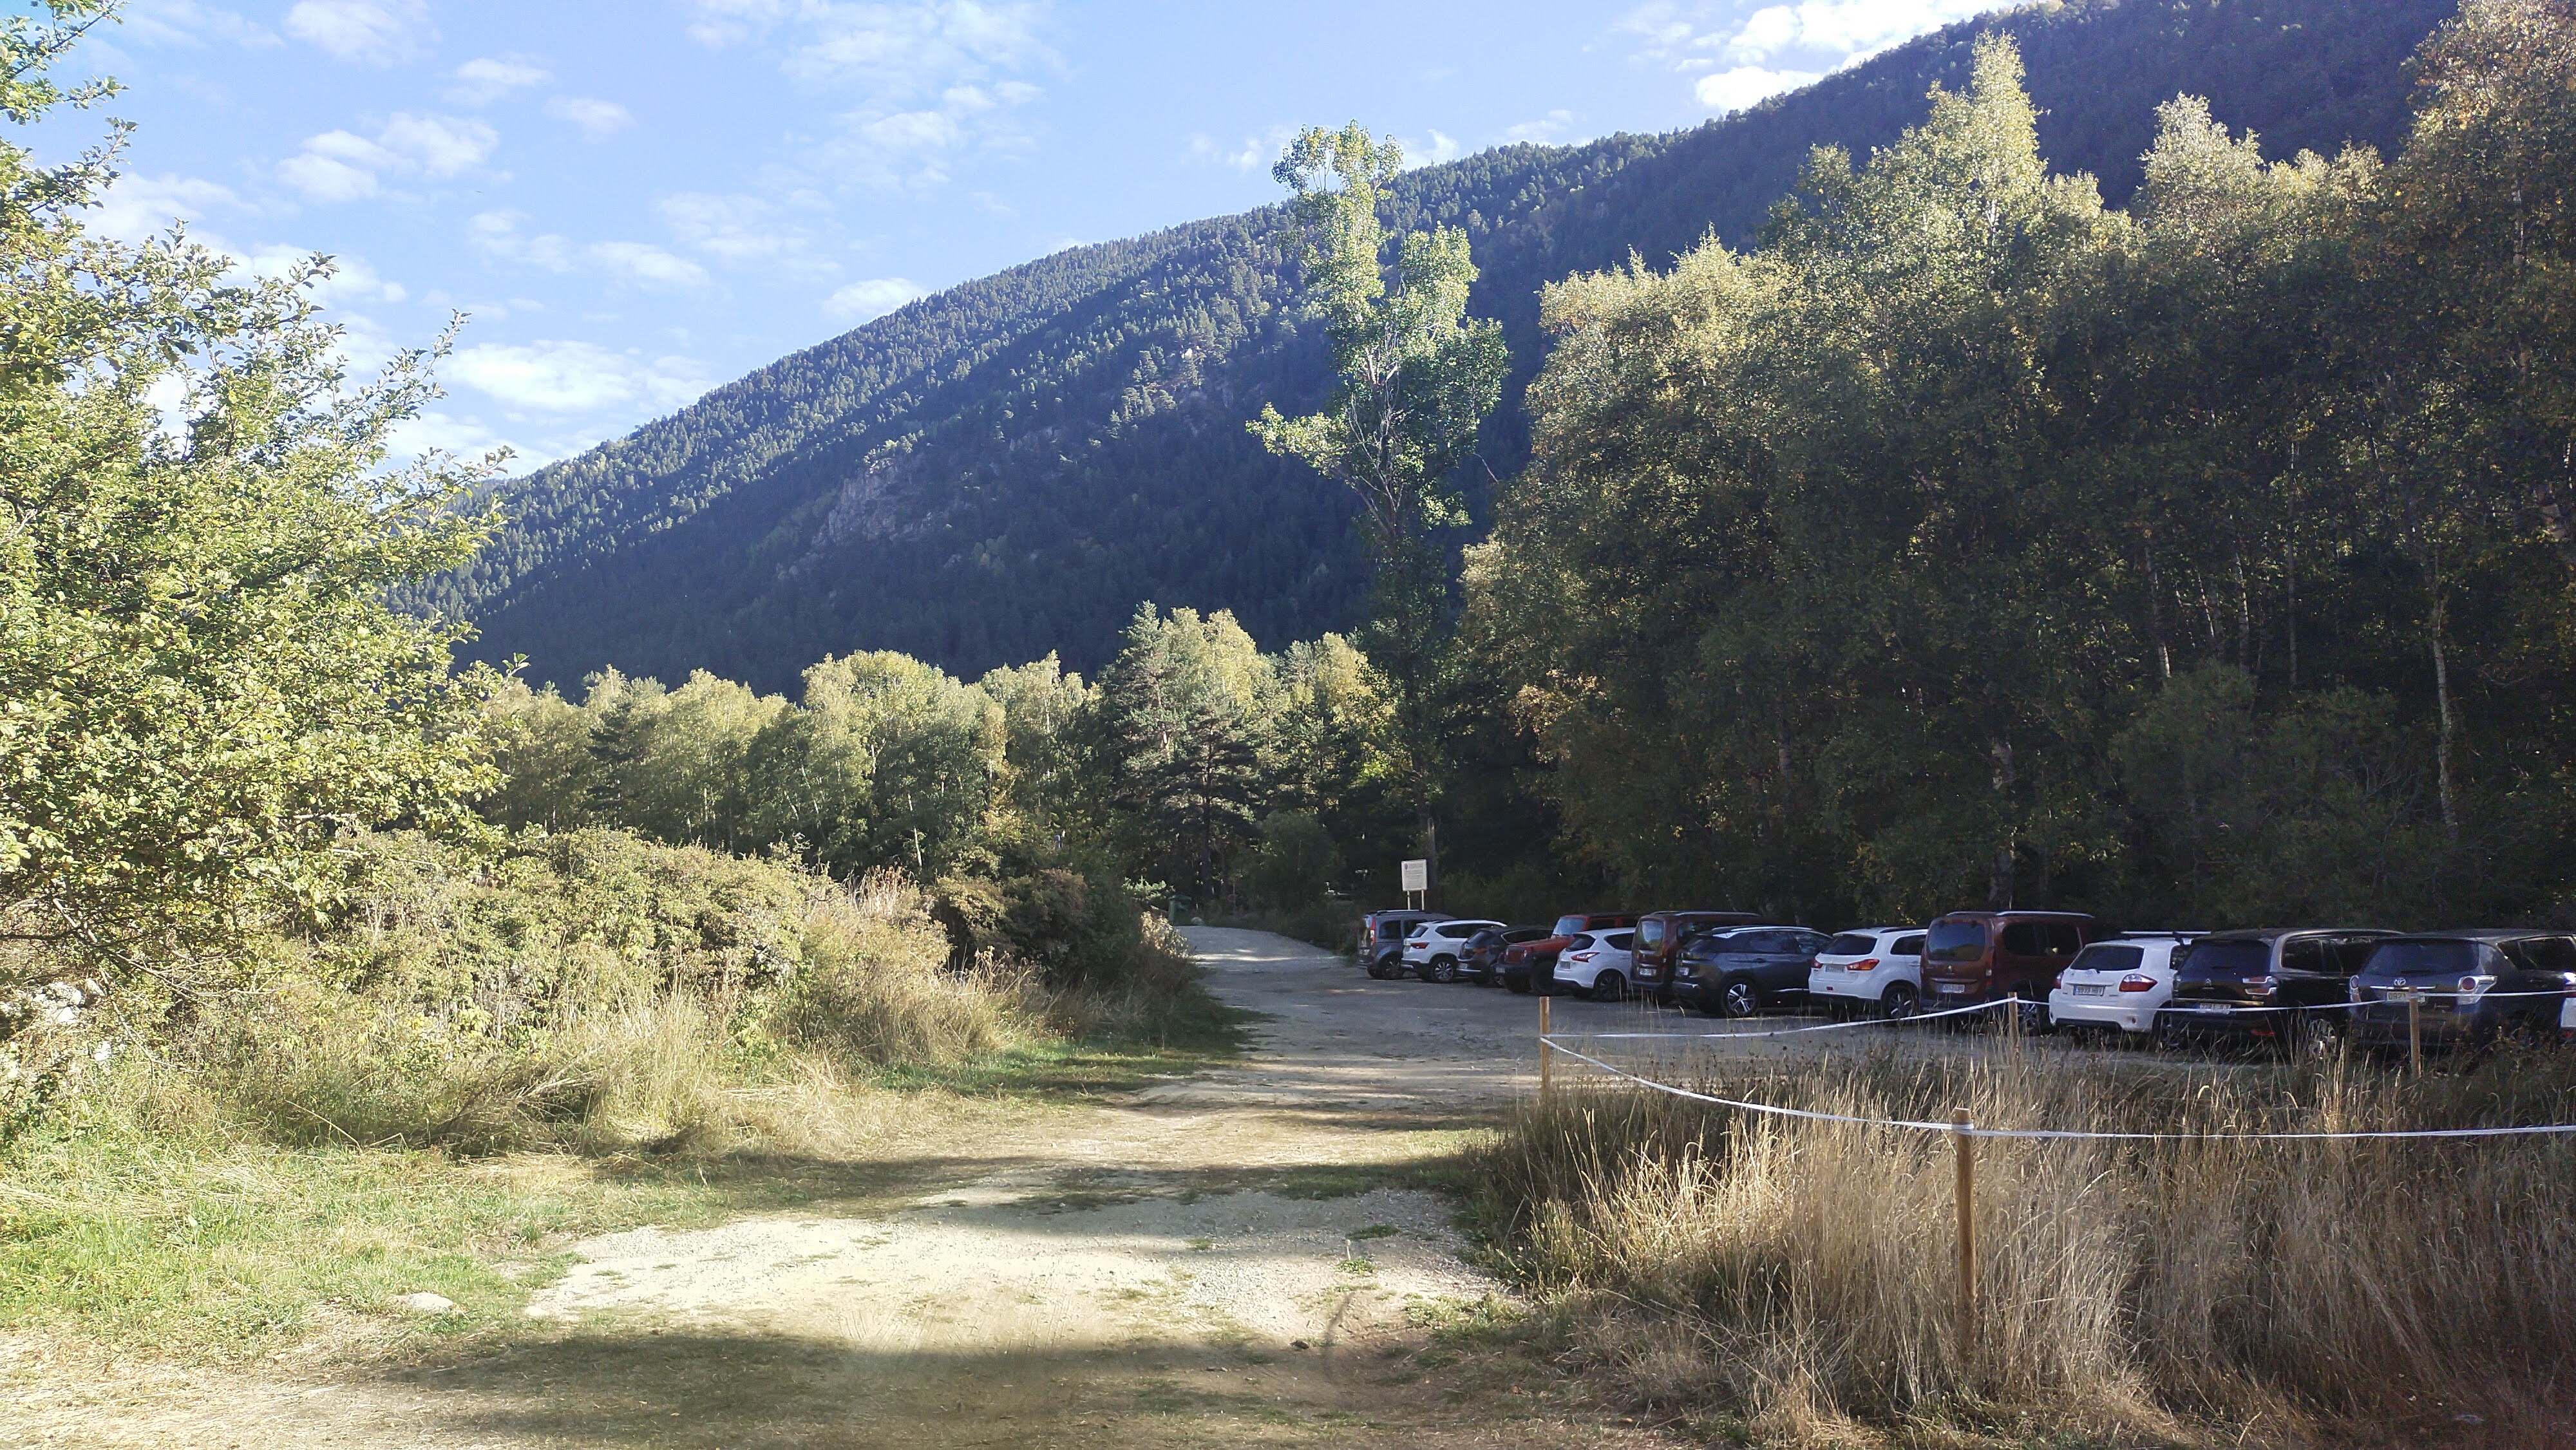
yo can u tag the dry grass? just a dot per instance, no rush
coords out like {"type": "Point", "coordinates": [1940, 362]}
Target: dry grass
{"type": "Point", "coordinates": [1796, 1276]}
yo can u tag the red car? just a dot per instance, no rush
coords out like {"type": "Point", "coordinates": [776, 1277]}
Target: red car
{"type": "Point", "coordinates": [1531, 966]}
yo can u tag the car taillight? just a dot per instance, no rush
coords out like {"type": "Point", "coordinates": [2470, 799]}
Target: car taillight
{"type": "Point", "coordinates": [2137, 982]}
{"type": "Point", "coordinates": [2262, 986]}
{"type": "Point", "coordinates": [2570, 979]}
{"type": "Point", "coordinates": [2471, 986]}
{"type": "Point", "coordinates": [1865, 964]}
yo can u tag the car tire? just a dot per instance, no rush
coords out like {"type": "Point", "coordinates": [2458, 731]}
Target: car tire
{"type": "Point", "coordinates": [2170, 1036]}
{"type": "Point", "coordinates": [1442, 969]}
{"type": "Point", "coordinates": [1377, 969]}
{"type": "Point", "coordinates": [1739, 997]}
{"type": "Point", "coordinates": [2311, 1039]}
{"type": "Point", "coordinates": [2036, 1019]}
{"type": "Point", "coordinates": [1609, 987]}
{"type": "Point", "coordinates": [1899, 1001]}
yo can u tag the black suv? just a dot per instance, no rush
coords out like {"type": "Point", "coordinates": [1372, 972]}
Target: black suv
{"type": "Point", "coordinates": [1738, 973]}
{"type": "Point", "coordinates": [2467, 987]}
{"type": "Point", "coordinates": [2266, 986]}
{"type": "Point", "coordinates": [1482, 961]}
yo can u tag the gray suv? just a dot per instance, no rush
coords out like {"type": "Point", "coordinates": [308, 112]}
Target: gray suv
{"type": "Point", "coordinates": [1382, 935]}
{"type": "Point", "coordinates": [1738, 973]}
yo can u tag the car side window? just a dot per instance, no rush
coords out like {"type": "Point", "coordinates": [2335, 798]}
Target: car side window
{"type": "Point", "coordinates": [2543, 954]}
{"type": "Point", "coordinates": [2305, 955]}
{"type": "Point", "coordinates": [1623, 941]}
{"type": "Point", "coordinates": [2021, 939]}
{"type": "Point", "coordinates": [2065, 938]}
{"type": "Point", "coordinates": [1907, 946]}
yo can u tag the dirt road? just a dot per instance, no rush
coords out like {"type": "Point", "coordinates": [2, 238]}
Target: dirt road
{"type": "Point", "coordinates": [1226, 1259]}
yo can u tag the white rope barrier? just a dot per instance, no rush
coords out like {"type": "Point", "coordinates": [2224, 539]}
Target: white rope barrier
{"type": "Point", "coordinates": [2188, 1011]}
{"type": "Point", "coordinates": [2051, 1134]}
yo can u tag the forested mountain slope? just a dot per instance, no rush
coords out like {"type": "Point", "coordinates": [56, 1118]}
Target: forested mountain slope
{"type": "Point", "coordinates": [1009, 467]}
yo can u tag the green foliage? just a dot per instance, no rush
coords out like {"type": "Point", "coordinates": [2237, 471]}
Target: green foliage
{"type": "Point", "coordinates": [1972, 541]}
{"type": "Point", "coordinates": [1006, 468]}
{"type": "Point", "coordinates": [1296, 862]}
{"type": "Point", "coordinates": [203, 685]}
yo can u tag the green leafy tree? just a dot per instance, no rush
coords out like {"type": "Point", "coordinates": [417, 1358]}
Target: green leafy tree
{"type": "Point", "coordinates": [1414, 377]}
{"type": "Point", "coordinates": [199, 524]}
{"type": "Point", "coordinates": [1187, 709]}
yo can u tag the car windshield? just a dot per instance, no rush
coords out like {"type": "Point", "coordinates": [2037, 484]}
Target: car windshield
{"type": "Point", "coordinates": [2230, 958]}
{"type": "Point", "coordinates": [1955, 941]}
{"type": "Point", "coordinates": [2423, 958]}
{"type": "Point", "coordinates": [1570, 925]}
{"type": "Point", "coordinates": [2107, 958]}
{"type": "Point", "coordinates": [1851, 944]}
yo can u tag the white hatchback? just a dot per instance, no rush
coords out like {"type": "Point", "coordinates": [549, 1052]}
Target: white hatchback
{"type": "Point", "coordinates": [2120, 983]}
{"type": "Point", "coordinates": [1432, 952]}
{"type": "Point", "coordinates": [1600, 963]}
{"type": "Point", "coordinates": [1870, 970]}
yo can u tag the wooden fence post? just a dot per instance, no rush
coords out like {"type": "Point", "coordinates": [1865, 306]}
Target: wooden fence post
{"type": "Point", "coordinates": [2415, 1032]}
{"type": "Point", "coordinates": [1546, 1053]}
{"type": "Point", "coordinates": [1967, 1149]}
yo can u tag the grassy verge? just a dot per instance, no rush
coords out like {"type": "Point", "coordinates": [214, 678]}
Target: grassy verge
{"type": "Point", "coordinates": [1794, 1280]}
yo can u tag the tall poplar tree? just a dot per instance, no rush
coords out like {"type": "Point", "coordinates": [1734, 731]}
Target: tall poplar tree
{"type": "Point", "coordinates": [1414, 378]}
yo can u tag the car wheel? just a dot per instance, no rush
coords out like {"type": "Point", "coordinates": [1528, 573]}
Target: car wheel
{"type": "Point", "coordinates": [1443, 969]}
{"type": "Point", "coordinates": [1898, 1002]}
{"type": "Point", "coordinates": [1739, 998]}
{"type": "Point", "coordinates": [2311, 1039]}
{"type": "Point", "coordinates": [2169, 1034]}
{"type": "Point", "coordinates": [1609, 987]}
{"type": "Point", "coordinates": [2035, 1016]}
{"type": "Point", "coordinates": [1378, 969]}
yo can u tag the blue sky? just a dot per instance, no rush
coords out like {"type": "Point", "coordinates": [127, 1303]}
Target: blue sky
{"type": "Point", "coordinates": [635, 200]}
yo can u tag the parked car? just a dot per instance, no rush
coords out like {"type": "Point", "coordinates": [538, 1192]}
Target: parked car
{"type": "Point", "coordinates": [1531, 966]}
{"type": "Point", "coordinates": [1598, 963]}
{"type": "Point", "coordinates": [1871, 971]}
{"type": "Point", "coordinates": [1741, 970]}
{"type": "Point", "coordinates": [2231, 986]}
{"type": "Point", "coordinates": [1660, 935]}
{"type": "Point", "coordinates": [1382, 935]}
{"type": "Point", "coordinates": [2120, 984]}
{"type": "Point", "coordinates": [1482, 961]}
{"type": "Point", "coordinates": [2467, 987]}
{"type": "Point", "coordinates": [1432, 951]}
{"type": "Point", "coordinates": [1987, 956]}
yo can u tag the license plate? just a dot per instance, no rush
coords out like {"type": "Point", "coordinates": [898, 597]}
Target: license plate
{"type": "Point", "coordinates": [1949, 991]}
{"type": "Point", "coordinates": [2217, 1009]}
{"type": "Point", "coordinates": [2095, 990]}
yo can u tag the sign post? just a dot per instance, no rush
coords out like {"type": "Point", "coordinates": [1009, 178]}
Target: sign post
{"type": "Point", "coordinates": [1417, 880]}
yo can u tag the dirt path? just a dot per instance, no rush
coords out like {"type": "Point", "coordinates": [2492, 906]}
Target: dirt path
{"type": "Point", "coordinates": [1226, 1259]}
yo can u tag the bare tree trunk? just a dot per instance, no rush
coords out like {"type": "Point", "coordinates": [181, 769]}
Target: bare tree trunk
{"type": "Point", "coordinates": [2442, 695]}
{"type": "Point", "coordinates": [2156, 612]}
{"type": "Point", "coordinates": [1999, 872]}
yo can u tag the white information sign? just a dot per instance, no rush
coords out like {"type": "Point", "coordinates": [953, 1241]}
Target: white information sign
{"type": "Point", "coordinates": [1417, 875]}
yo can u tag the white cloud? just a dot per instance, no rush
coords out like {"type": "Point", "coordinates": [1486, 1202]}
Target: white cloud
{"type": "Point", "coordinates": [744, 231]}
{"type": "Point", "coordinates": [380, 32]}
{"type": "Point", "coordinates": [1739, 59]}
{"type": "Point", "coordinates": [597, 120]}
{"type": "Point", "coordinates": [486, 79]}
{"type": "Point", "coordinates": [872, 299]}
{"type": "Point", "coordinates": [1255, 152]}
{"type": "Point", "coordinates": [641, 264]}
{"type": "Point", "coordinates": [574, 376]}
{"type": "Point", "coordinates": [1543, 130]}
{"type": "Point", "coordinates": [1734, 90]}
{"type": "Point", "coordinates": [137, 206]}
{"type": "Point", "coordinates": [933, 79]}
{"type": "Point", "coordinates": [185, 22]}
{"type": "Point", "coordinates": [442, 432]}
{"type": "Point", "coordinates": [496, 234]}
{"type": "Point", "coordinates": [343, 166]}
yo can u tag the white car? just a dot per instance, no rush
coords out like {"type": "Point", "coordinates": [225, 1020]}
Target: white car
{"type": "Point", "coordinates": [1432, 952]}
{"type": "Point", "coordinates": [2119, 983]}
{"type": "Point", "coordinates": [2567, 1019]}
{"type": "Point", "coordinates": [1599, 963]}
{"type": "Point", "coordinates": [1870, 971]}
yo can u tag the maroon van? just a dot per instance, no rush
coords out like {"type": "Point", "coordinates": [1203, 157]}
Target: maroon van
{"type": "Point", "coordinates": [1984, 956]}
